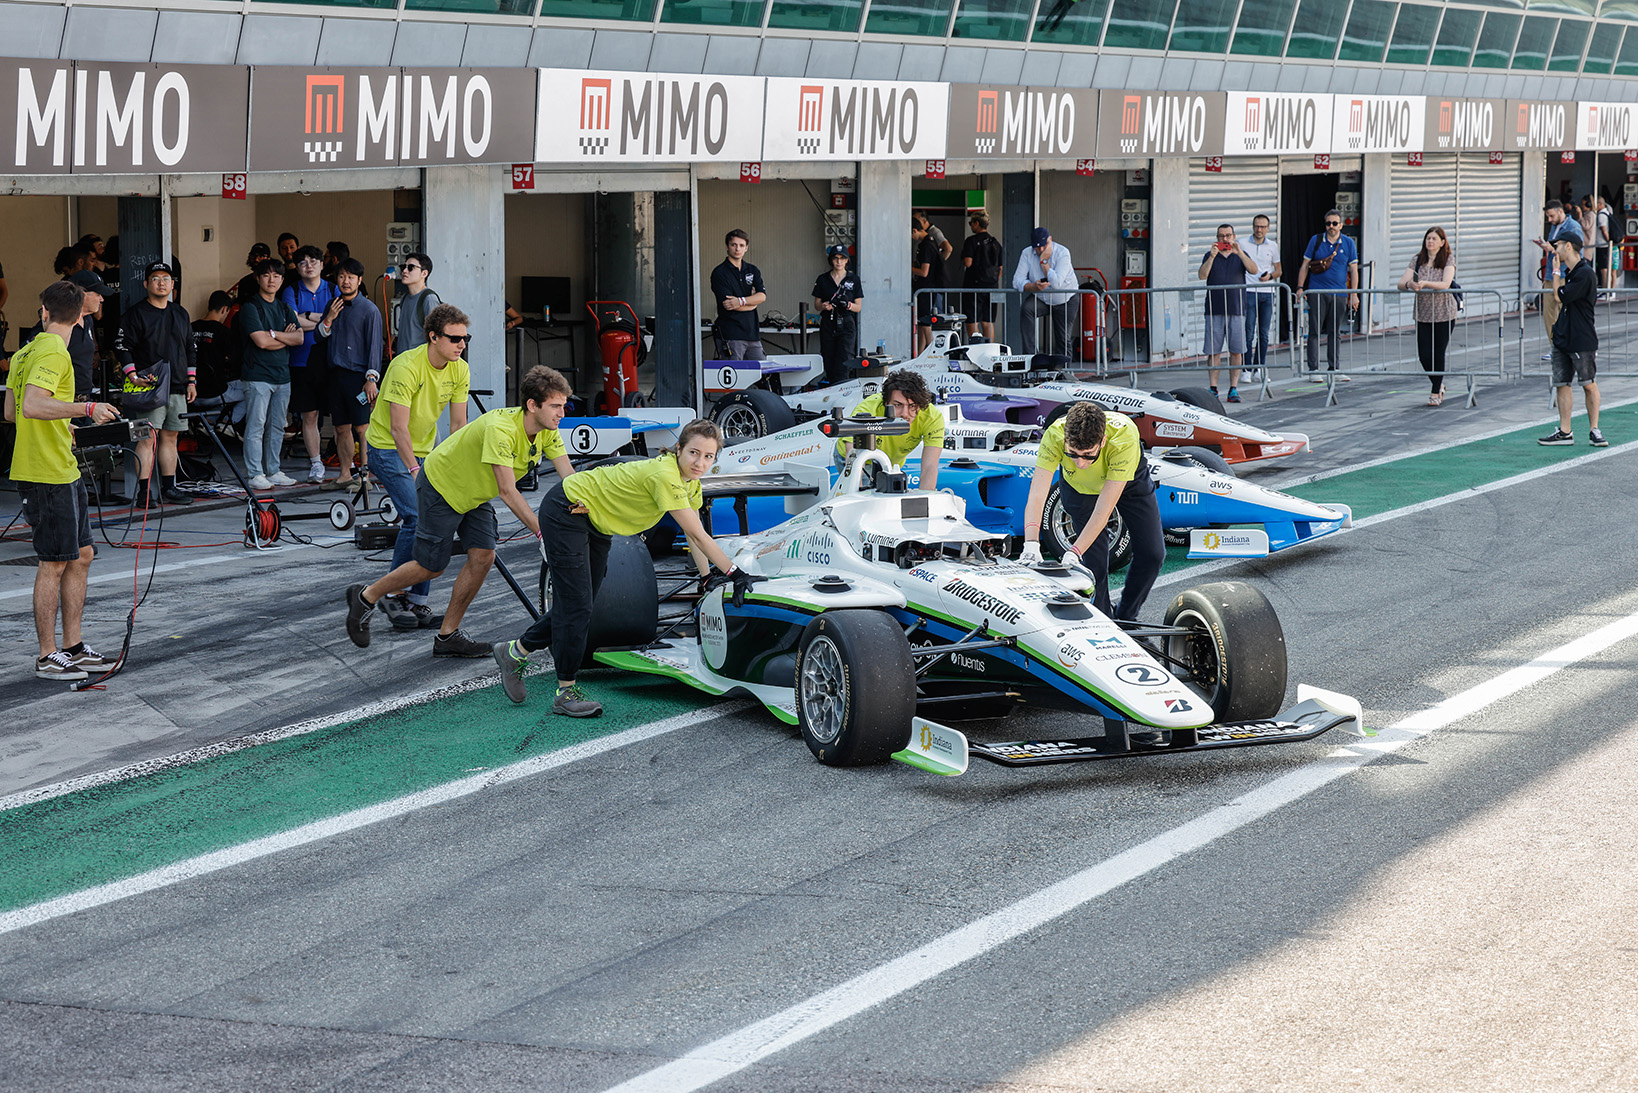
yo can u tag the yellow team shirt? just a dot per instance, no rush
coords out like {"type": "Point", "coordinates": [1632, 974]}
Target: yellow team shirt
{"type": "Point", "coordinates": [462, 467]}
{"type": "Point", "coordinates": [630, 498]}
{"type": "Point", "coordinates": [927, 427]}
{"type": "Point", "coordinates": [412, 381]}
{"type": "Point", "coordinates": [1117, 460]}
{"type": "Point", "coordinates": [45, 449]}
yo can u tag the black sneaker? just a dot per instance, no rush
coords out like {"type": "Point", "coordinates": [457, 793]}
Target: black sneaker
{"type": "Point", "coordinates": [1596, 439]}
{"type": "Point", "coordinates": [175, 496]}
{"type": "Point", "coordinates": [571, 701]}
{"type": "Point", "coordinates": [1558, 438]}
{"type": "Point", "coordinates": [57, 666]}
{"type": "Point", "coordinates": [512, 666]}
{"type": "Point", "coordinates": [87, 657]}
{"type": "Point", "coordinates": [459, 645]}
{"type": "Point", "coordinates": [397, 610]}
{"type": "Point", "coordinates": [425, 617]}
{"type": "Point", "coordinates": [358, 615]}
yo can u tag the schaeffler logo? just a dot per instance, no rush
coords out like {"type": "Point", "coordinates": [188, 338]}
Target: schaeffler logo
{"type": "Point", "coordinates": [595, 112]}
{"type": "Point", "coordinates": [1131, 122]}
{"type": "Point", "coordinates": [1254, 122]}
{"type": "Point", "coordinates": [810, 115]}
{"type": "Point", "coordinates": [988, 124]}
{"type": "Point", "coordinates": [326, 106]}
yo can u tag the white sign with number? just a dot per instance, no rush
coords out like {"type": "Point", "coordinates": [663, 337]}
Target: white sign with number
{"type": "Point", "coordinates": [594, 436]}
{"type": "Point", "coordinates": [729, 376]}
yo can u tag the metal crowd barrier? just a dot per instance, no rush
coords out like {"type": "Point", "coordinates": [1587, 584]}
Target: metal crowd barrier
{"type": "Point", "coordinates": [1386, 344]}
{"type": "Point", "coordinates": [1083, 338]}
{"type": "Point", "coordinates": [1615, 318]}
{"type": "Point", "coordinates": [1170, 329]}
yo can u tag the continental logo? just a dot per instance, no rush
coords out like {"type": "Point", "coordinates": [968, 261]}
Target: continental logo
{"type": "Point", "coordinates": [778, 457]}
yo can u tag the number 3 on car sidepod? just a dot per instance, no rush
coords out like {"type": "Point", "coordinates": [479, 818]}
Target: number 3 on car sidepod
{"type": "Point", "coordinates": [584, 438]}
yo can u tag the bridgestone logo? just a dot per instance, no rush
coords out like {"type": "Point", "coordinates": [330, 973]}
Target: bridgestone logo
{"type": "Point", "coordinates": [983, 601]}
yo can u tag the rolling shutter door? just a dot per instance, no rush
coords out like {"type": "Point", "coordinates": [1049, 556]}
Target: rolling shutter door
{"type": "Point", "coordinates": [1418, 199]}
{"type": "Point", "coordinates": [1489, 227]}
{"type": "Point", "coordinates": [1247, 186]}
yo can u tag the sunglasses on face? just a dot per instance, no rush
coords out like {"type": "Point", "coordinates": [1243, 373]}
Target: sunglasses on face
{"type": "Point", "coordinates": [1093, 454]}
{"type": "Point", "coordinates": [1333, 223]}
{"type": "Point", "coordinates": [408, 267]}
{"type": "Point", "coordinates": [464, 339]}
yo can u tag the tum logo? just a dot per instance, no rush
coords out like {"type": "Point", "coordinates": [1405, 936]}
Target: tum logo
{"type": "Point", "coordinates": [325, 106]}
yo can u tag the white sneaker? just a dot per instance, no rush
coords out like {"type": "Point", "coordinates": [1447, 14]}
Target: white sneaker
{"type": "Point", "coordinates": [1247, 377]}
{"type": "Point", "coordinates": [315, 473]}
{"type": "Point", "coordinates": [1316, 377]}
{"type": "Point", "coordinates": [282, 479]}
{"type": "Point", "coordinates": [261, 482]}
{"type": "Point", "coordinates": [1547, 356]}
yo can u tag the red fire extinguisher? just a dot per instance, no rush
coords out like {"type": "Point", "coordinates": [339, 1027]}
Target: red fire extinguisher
{"type": "Point", "coordinates": [621, 345]}
{"type": "Point", "coordinates": [1093, 327]}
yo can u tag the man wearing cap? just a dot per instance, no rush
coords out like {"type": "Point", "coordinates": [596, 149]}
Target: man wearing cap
{"type": "Point", "coordinates": [82, 343]}
{"type": "Point", "coordinates": [1043, 266]}
{"type": "Point", "coordinates": [153, 330]}
{"type": "Point", "coordinates": [836, 296]}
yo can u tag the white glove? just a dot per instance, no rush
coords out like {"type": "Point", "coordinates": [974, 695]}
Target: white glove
{"type": "Point", "coordinates": [1030, 555]}
{"type": "Point", "coordinates": [1073, 560]}
{"type": "Point", "coordinates": [540, 541]}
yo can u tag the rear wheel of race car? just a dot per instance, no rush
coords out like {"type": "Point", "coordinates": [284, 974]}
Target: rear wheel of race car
{"type": "Point", "coordinates": [1202, 397]}
{"type": "Point", "coordinates": [751, 415]}
{"type": "Point", "coordinates": [1235, 651]}
{"type": "Point", "coordinates": [627, 609]}
{"type": "Point", "coordinates": [1058, 531]}
{"type": "Point", "coordinates": [1200, 457]}
{"type": "Point", "coordinates": [855, 688]}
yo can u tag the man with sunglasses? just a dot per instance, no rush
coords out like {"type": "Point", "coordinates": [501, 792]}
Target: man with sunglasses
{"type": "Point", "coordinates": [418, 384]}
{"type": "Point", "coordinates": [1099, 458]}
{"type": "Point", "coordinates": [415, 305]}
{"type": "Point", "coordinates": [1330, 266]}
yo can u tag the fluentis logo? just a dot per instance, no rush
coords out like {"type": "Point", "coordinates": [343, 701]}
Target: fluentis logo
{"type": "Point", "coordinates": [1254, 121]}
{"type": "Point", "coordinates": [596, 110]}
{"type": "Point", "coordinates": [324, 113]}
{"type": "Point", "coordinates": [988, 124]}
{"type": "Point", "coordinates": [810, 117]}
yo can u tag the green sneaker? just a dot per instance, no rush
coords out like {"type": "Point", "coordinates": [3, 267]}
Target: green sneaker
{"type": "Point", "coordinates": [513, 663]}
{"type": "Point", "coordinates": [572, 702]}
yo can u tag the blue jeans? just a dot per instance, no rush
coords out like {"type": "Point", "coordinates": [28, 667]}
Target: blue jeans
{"type": "Point", "coordinates": [266, 407]}
{"type": "Point", "coordinates": [388, 467]}
{"type": "Point", "coordinates": [1259, 326]}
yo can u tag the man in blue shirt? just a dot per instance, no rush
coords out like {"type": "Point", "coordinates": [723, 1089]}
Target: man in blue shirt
{"type": "Point", "coordinates": [1042, 266]}
{"type": "Point", "coordinates": [1559, 226]}
{"type": "Point", "coordinates": [1330, 266]}
{"type": "Point", "coordinates": [308, 295]}
{"type": "Point", "coordinates": [351, 331]}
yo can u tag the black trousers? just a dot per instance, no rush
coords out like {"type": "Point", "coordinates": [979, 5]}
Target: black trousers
{"type": "Point", "coordinates": [578, 555]}
{"type": "Point", "coordinates": [838, 343]}
{"type": "Point", "coordinates": [1431, 341]}
{"type": "Point", "coordinates": [1327, 310]}
{"type": "Point", "coordinates": [1142, 515]}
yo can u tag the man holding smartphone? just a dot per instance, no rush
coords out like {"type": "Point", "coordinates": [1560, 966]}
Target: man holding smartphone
{"type": "Point", "coordinates": [1228, 265]}
{"type": "Point", "coordinates": [308, 296]}
{"type": "Point", "coordinates": [351, 331]}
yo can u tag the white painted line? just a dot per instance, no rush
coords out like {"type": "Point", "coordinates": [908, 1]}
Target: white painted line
{"type": "Point", "coordinates": [169, 567]}
{"type": "Point", "coordinates": [1421, 506]}
{"type": "Point", "coordinates": [734, 1052]}
{"type": "Point", "coordinates": [348, 821]}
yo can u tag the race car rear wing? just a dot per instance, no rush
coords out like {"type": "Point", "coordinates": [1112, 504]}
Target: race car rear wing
{"type": "Point", "coordinates": [798, 485]}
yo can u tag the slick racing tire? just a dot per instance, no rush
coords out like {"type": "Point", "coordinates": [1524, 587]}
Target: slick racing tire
{"type": "Point", "coordinates": [855, 688]}
{"type": "Point", "coordinates": [751, 415]}
{"type": "Point", "coordinates": [1058, 531]}
{"type": "Point", "coordinates": [626, 612]}
{"type": "Point", "coordinates": [1204, 458]}
{"type": "Point", "coordinates": [1199, 396]}
{"type": "Point", "coordinates": [1235, 651]}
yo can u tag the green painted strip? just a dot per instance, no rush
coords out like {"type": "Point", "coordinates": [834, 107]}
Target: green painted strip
{"type": "Point", "coordinates": [126, 828]}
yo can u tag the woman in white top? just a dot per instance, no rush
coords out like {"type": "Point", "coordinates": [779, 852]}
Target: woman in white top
{"type": "Point", "coordinates": [1430, 276]}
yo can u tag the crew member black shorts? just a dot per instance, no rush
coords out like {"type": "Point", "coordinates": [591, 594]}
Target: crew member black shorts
{"type": "Point", "coordinates": [60, 515]}
{"type": "Point", "coordinates": [307, 390]}
{"type": "Point", "coordinates": [436, 525]}
{"type": "Point", "coordinates": [1581, 367]}
{"type": "Point", "coordinates": [979, 307]}
{"type": "Point", "coordinates": [345, 387]}
{"type": "Point", "coordinates": [925, 308]}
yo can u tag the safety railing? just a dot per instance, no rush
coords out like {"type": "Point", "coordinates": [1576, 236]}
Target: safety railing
{"type": "Point", "coordinates": [1615, 319]}
{"type": "Point", "coordinates": [1472, 344]}
{"type": "Point", "coordinates": [1070, 323]}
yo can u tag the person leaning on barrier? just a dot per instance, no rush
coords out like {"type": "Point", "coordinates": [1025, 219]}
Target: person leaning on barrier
{"type": "Point", "coordinates": [904, 397]}
{"type": "Point", "coordinates": [1575, 346]}
{"type": "Point", "coordinates": [1430, 275]}
{"type": "Point", "coordinates": [1043, 266]}
{"type": "Point", "coordinates": [837, 296]}
{"type": "Point", "coordinates": [1099, 457]}
{"type": "Point", "coordinates": [1329, 264]}
{"type": "Point", "coordinates": [579, 520]}
{"type": "Point", "coordinates": [39, 399]}
{"type": "Point", "coordinates": [453, 492]}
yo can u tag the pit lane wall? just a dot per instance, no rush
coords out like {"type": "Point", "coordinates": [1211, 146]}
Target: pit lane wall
{"type": "Point", "coordinates": [466, 131]}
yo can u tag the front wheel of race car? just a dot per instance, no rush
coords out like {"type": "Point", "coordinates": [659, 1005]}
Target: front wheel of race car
{"type": "Point", "coordinates": [855, 688]}
{"type": "Point", "coordinates": [1203, 397]}
{"type": "Point", "coordinates": [1234, 651]}
{"type": "Point", "coordinates": [1058, 531]}
{"type": "Point", "coordinates": [751, 415]}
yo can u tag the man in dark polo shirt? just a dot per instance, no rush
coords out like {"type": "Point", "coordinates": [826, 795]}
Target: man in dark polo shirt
{"type": "Point", "coordinates": [738, 289]}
